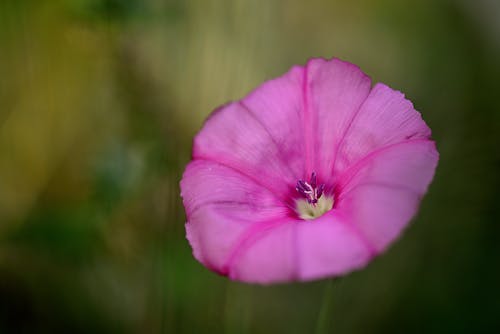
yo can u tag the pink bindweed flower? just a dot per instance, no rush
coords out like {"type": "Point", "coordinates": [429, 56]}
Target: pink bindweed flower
{"type": "Point", "coordinates": [311, 175]}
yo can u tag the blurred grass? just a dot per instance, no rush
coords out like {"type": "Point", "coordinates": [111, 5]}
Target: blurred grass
{"type": "Point", "coordinates": [100, 99]}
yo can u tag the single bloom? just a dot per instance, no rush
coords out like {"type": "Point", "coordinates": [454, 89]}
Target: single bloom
{"type": "Point", "coordinates": [311, 175]}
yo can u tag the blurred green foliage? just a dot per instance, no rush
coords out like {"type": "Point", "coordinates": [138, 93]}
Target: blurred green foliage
{"type": "Point", "coordinates": [100, 99]}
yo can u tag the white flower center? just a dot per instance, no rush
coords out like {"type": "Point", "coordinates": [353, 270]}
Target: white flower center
{"type": "Point", "coordinates": [308, 211]}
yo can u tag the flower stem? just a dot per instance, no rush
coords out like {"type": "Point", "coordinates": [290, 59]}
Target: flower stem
{"type": "Point", "coordinates": [324, 322]}
{"type": "Point", "coordinates": [238, 308]}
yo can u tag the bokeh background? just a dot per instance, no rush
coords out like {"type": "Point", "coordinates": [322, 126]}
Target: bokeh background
{"type": "Point", "coordinates": [99, 102]}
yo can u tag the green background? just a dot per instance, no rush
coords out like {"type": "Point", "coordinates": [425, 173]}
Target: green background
{"type": "Point", "coordinates": [100, 100]}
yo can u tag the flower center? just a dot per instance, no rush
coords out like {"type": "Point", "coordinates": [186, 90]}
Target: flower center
{"type": "Point", "coordinates": [314, 203]}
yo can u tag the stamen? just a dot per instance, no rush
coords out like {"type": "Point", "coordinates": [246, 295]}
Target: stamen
{"type": "Point", "coordinates": [320, 190]}
{"type": "Point", "coordinates": [313, 204]}
{"type": "Point", "coordinates": [309, 190]}
{"type": "Point", "coordinates": [313, 180]}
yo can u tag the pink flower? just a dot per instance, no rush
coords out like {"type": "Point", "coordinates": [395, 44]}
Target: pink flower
{"type": "Point", "coordinates": [311, 175]}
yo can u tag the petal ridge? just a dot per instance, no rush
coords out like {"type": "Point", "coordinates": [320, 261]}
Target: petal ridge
{"type": "Point", "coordinates": [385, 117]}
{"type": "Point", "coordinates": [350, 173]}
{"type": "Point", "coordinates": [370, 247]}
{"type": "Point", "coordinates": [254, 180]}
{"type": "Point", "coordinates": [336, 91]}
{"type": "Point", "coordinates": [381, 193]}
{"type": "Point", "coordinates": [235, 138]}
{"type": "Point", "coordinates": [330, 246]}
{"type": "Point", "coordinates": [344, 135]}
{"type": "Point", "coordinates": [266, 129]}
{"type": "Point", "coordinates": [378, 184]}
{"type": "Point", "coordinates": [216, 203]}
{"type": "Point", "coordinates": [307, 120]}
{"type": "Point", "coordinates": [249, 237]}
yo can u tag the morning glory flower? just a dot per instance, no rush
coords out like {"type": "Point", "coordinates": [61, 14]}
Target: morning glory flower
{"type": "Point", "coordinates": [311, 175]}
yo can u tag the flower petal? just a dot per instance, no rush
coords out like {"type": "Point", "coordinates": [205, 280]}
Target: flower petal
{"type": "Point", "coordinates": [380, 194]}
{"type": "Point", "coordinates": [208, 182]}
{"type": "Point", "coordinates": [238, 228]}
{"type": "Point", "coordinates": [297, 250]}
{"type": "Point", "coordinates": [266, 254]}
{"type": "Point", "coordinates": [259, 136]}
{"type": "Point", "coordinates": [329, 246]}
{"type": "Point", "coordinates": [236, 234]}
{"type": "Point", "coordinates": [334, 91]}
{"type": "Point", "coordinates": [213, 236]}
{"type": "Point", "coordinates": [385, 118]}
{"type": "Point", "coordinates": [221, 204]}
{"type": "Point", "coordinates": [277, 104]}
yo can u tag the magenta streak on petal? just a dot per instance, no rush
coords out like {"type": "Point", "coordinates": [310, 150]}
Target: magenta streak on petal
{"type": "Point", "coordinates": [349, 174]}
{"type": "Point", "coordinates": [256, 181]}
{"type": "Point", "coordinates": [259, 121]}
{"type": "Point", "coordinates": [248, 238]}
{"type": "Point", "coordinates": [370, 247]}
{"type": "Point", "coordinates": [202, 205]}
{"type": "Point", "coordinates": [308, 133]}
{"type": "Point", "coordinates": [378, 184]}
{"type": "Point", "coordinates": [296, 260]}
{"type": "Point", "coordinates": [344, 135]}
